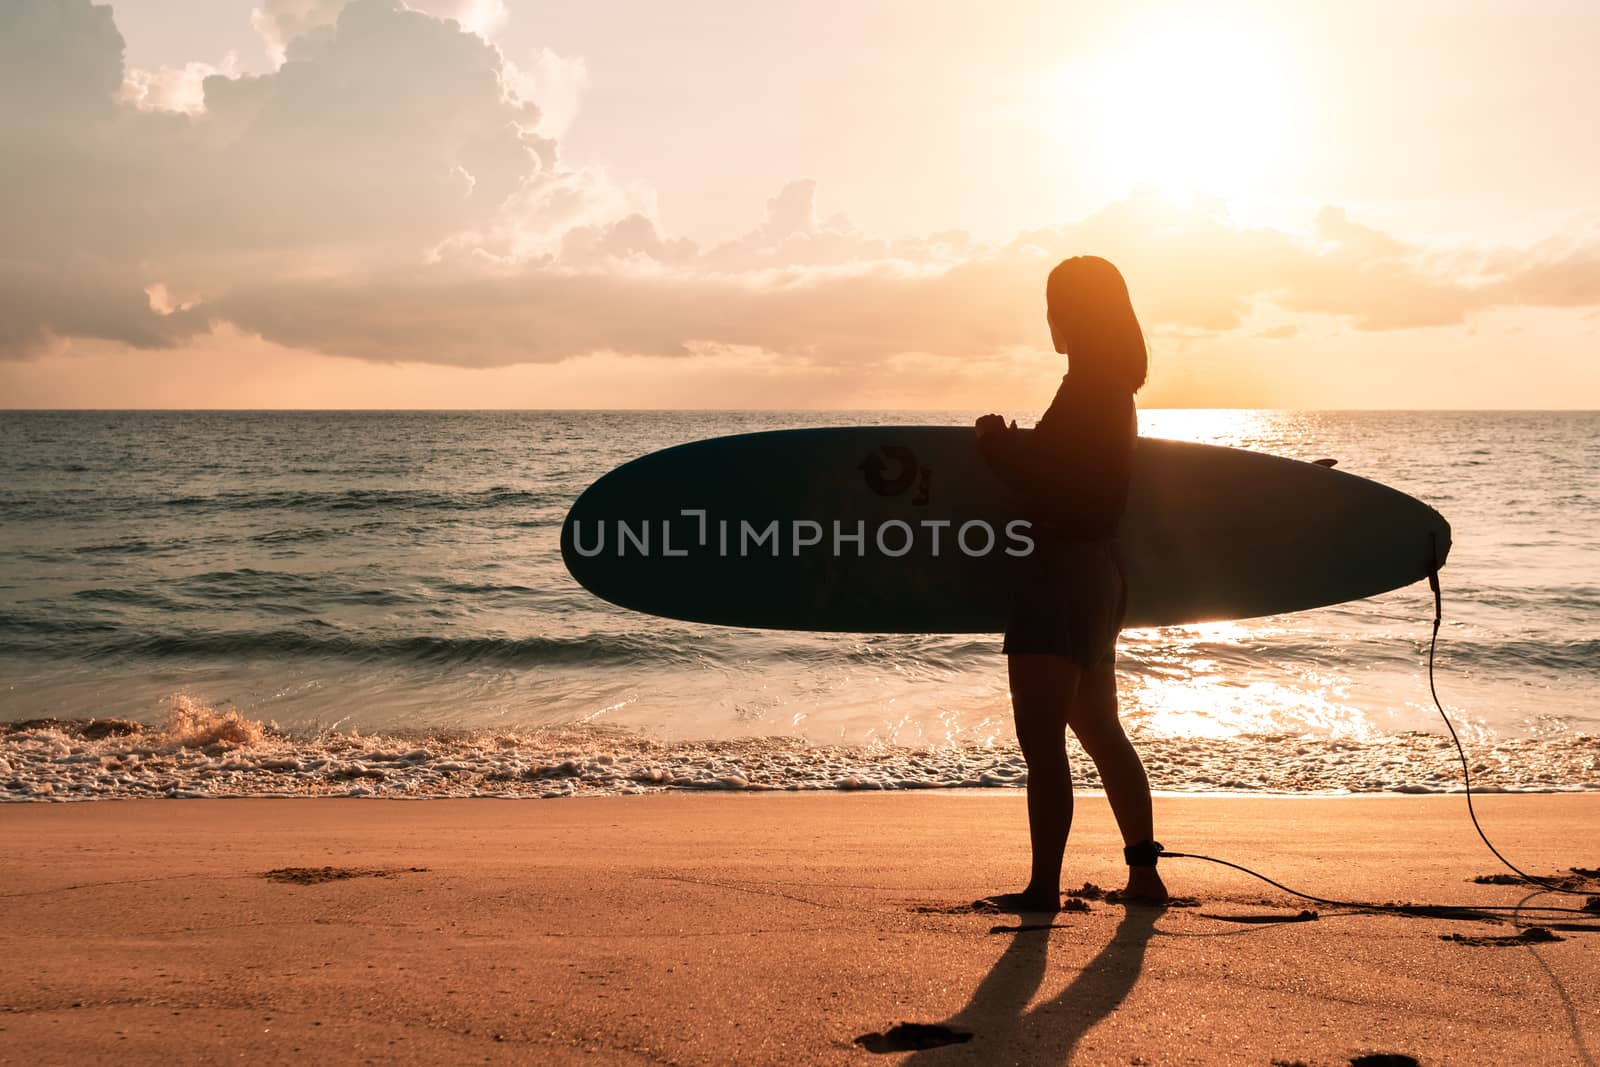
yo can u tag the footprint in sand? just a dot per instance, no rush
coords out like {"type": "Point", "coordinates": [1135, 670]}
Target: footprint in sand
{"type": "Point", "coordinates": [317, 875]}
{"type": "Point", "coordinates": [913, 1037]}
{"type": "Point", "coordinates": [1533, 935]}
{"type": "Point", "coordinates": [979, 907]}
{"type": "Point", "coordinates": [1577, 878]}
{"type": "Point", "coordinates": [1371, 1059]}
{"type": "Point", "coordinates": [1305, 916]}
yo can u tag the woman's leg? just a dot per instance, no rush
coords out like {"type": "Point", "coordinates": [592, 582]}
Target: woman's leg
{"type": "Point", "coordinates": [1098, 727]}
{"type": "Point", "coordinates": [1042, 689]}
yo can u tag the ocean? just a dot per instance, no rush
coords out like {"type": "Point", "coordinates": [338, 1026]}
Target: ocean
{"type": "Point", "coordinates": [335, 577]}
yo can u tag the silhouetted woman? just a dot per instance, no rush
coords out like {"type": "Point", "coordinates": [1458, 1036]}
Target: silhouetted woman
{"type": "Point", "coordinates": [1068, 597]}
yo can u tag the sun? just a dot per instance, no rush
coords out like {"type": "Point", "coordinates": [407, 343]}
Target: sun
{"type": "Point", "coordinates": [1193, 104]}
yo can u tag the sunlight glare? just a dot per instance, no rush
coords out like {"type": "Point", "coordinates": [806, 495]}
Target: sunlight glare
{"type": "Point", "coordinates": [1235, 427]}
{"type": "Point", "coordinates": [1193, 104]}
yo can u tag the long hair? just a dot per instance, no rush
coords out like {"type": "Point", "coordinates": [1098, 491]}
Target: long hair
{"type": "Point", "coordinates": [1090, 308]}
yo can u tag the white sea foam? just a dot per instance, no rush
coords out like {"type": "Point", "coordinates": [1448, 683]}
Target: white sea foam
{"type": "Point", "coordinates": [203, 752]}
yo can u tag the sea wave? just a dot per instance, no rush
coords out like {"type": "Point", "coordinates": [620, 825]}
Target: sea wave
{"type": "Point", "coordinates": [1143, 652]}
{"type": "Point", "coordinates": [420, 650]}
{"type": "Point", "coordinates": [398, 569]}
{"type": "Point", "coordinates": [46, 505]}
{"type": "Point", "coordinates": [200, 751]}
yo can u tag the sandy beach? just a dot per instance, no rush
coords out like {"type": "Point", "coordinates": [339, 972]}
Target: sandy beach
{"type": "Point", "coordinates": [773, 929]}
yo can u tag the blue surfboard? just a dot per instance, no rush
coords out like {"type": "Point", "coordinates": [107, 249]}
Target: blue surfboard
{"type": "Point", "coordinates": [906, 530]}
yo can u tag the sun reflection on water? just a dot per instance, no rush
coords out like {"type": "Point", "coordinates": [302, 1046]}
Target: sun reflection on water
{"type": "Point", "coordinates": [1191, 681]}
{"type": "Point", "coordinates": [1203, 680]}
{"type": "Point", "coordinates": [1223, 710]}
{"type": "Point", "coordinates": [1236, 427]}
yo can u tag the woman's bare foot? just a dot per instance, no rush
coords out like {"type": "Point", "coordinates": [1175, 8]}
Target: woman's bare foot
{"type": "Point", "coordinates": [1144, 887]}
{"type": "Point", "coordinates": [1029, 900]}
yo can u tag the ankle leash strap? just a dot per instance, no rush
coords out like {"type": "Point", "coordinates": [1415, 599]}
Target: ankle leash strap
{"type": "Point", "coordinates": [1144, 854]}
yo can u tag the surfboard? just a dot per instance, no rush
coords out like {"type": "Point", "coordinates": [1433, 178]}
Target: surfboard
{"type": "Point", "coordinates": [883, 529]}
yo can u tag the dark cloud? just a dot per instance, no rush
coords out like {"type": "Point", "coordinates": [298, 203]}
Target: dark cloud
{"type": "Point", "coordinates": [62, 63]}
{"type": "Point", "coordinates": [37, 309]}
{"type": "Point", "coordinates": [380, 136]}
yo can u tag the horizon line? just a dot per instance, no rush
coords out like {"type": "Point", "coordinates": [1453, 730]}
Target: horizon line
{"type": "Point", "coordinates": [731, 410]}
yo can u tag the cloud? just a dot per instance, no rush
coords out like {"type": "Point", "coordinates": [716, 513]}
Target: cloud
{"type": "Point", "coordinates": [384, 134]}
{"type": "Point", "coordinates": [1553, 276]}
{"type": "Point", "coordinates": [37, 310]}
{"type": "Point", "coordinates": [174, 88]}
{"type": "Point", "coordinates": [1279, 333]}
{"type": "Point", "coordinates": [393, 191]}
{"type": "Point", "coordinates": [831, 297]}
{"type": "Point", "coordinates": [394, 129]}
{"type": "Point", "coordinates": [486, 18]}
{"type": "Point", "coordinates": [280, 22]}
{"type": "Point", "coordinates": [62, 64]}
{"type": "Point", "coordinates": [75, 173]}
{"type": "Point", "coordinates": [548, 314]}
{"type": "Point", "coordinates": [557, 82]}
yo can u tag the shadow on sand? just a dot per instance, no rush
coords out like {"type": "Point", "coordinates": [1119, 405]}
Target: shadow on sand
{"type": "Point", "coordinates": [1005, 1030]}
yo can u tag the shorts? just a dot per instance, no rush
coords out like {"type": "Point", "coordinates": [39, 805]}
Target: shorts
{"type": "Point", "coordinates": [1067, 599]}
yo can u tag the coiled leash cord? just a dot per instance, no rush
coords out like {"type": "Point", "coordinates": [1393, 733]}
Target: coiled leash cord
{"type": "Point", "coordinates": [1466, 774]}
{"type": "Point", "coordinates": [1435, 910]}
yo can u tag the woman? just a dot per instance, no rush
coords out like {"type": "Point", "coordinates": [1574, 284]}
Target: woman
{"type": "Point", "coordinates": [1072, 473]}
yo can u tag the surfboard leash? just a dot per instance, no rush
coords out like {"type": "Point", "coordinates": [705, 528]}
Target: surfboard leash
{"type": "Point", "coordinates": [1437, 910]}
{"type": "Point", "coordinates": [1466, 773]}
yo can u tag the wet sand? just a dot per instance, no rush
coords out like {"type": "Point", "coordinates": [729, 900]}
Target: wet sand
{"type": "Point", "coordinates": [774, 929]}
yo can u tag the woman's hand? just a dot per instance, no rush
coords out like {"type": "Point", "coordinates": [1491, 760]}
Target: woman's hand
{"type": "Point", "coordinates": [993, 424]}
{"type": "Point", "coordinates": [990, 424]}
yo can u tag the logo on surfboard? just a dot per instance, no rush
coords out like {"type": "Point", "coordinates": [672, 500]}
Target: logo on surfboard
{"type": "Point", "coordinates": [905, 472]}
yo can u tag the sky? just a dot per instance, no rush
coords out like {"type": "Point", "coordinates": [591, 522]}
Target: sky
{"type": "Point", "coordinates": [710, 203]}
